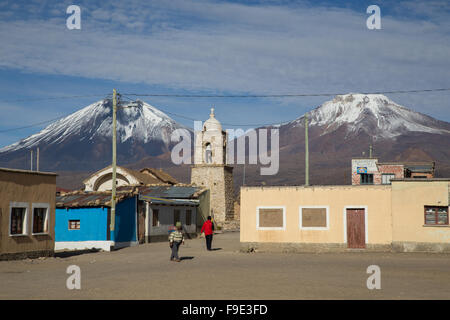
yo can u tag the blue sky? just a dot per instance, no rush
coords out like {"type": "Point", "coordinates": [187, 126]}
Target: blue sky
{"type": "Point", "coordinates": [218, 47]}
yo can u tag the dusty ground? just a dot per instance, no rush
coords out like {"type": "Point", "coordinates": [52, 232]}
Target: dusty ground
{"type": "Point", "coordinates": [145, 272]}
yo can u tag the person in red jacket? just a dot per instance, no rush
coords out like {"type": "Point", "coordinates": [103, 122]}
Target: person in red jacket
{"type": "Point", "coordinates": [208, 229]}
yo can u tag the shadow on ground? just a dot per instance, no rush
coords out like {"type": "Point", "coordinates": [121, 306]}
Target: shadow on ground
{"type": "Point", "coordinates": [68, 254]}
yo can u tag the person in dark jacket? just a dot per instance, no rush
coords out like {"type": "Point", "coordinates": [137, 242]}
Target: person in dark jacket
{"type": "Point", "coordinates": [208, 229]}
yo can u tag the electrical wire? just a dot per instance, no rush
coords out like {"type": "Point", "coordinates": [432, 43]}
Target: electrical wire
{"type": "Point", "coordinates": [279, 95]}
{"type": "Point", "coordinates": [39, 123]}
{"type": "Point", "coordinates": [53, 98]}
{"type": "Point", "coordinates": [127, 95]}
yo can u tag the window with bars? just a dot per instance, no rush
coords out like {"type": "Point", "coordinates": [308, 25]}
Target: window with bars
{"type": "Point", "coordinates": [436, 215]}
{"type": "Point", "coordinates": [74, 225]}
{"type": "Point", "coordinates": [18, 220]}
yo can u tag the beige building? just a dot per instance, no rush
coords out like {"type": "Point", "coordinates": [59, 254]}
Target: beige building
{"type": "Point", "coordinates": [27, 213]}
{"type": "Point", "coordinates": [409, 215]}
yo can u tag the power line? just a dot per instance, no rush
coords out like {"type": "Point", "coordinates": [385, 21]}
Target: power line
{"type": "Point", "coordinates": [54, 98]}
{"type": "Point", "coordinates": [34, 124]}
{"type": "Point", "coordinates": [224, 123]}
{"type": "Point", "coordinates": [127, 95]}
{"type": "Point", "coordinates": [279, 95]}
{"type": "Point", "coordinates": [37, 123]}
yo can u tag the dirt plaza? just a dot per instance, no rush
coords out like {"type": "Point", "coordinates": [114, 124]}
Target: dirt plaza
{"type": "Point", "coordinates": [145, 272]}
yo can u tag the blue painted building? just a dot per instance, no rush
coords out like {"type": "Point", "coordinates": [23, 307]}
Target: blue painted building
{"type": "Point", "coordinates": [82, 221]}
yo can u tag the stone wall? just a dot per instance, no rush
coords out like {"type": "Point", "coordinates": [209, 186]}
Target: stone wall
{"type": "Point", "coordinates": [219, 179]}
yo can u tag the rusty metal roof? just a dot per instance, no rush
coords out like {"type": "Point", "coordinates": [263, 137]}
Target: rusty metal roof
{"type": "Point", "coordinates": [170, 192]}
{"type": "Point", "coordinates": [89, 199]}
{"type": "Point", "coordinates": [156, 194]}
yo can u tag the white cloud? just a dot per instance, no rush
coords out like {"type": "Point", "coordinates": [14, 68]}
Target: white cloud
{"type": "Point", "coordinates": [210, 46]}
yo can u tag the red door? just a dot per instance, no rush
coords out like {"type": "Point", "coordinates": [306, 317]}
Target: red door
{"type": "Point", "coordinates": [356, 235]}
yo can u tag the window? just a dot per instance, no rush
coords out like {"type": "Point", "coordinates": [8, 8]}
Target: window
{"type": "Point", "coordinates": [176, 216]}
{"type": "Point", "coordinates": [155, 220]}
{"type": "Point", "coordinates": [436, 215]}
{"type": "Point", "coordinates": [271, 218]}
{"type": "Point", "coordinates": [366, 178]}
{"type": "Point", "coordinates": [188, 217]}
{"type": "Point", "coordinates": [386, 178]}
{"type": "Point", "coordinates": [74, 224]}
{"type": "Point", "coordinates": [18, 219]}
{"type": "Point", "coordinates": [208, 153]}
{"type": "Point", "coordinates": [40, 223]}
{"type": "Point", "coordinates": [315, 218]}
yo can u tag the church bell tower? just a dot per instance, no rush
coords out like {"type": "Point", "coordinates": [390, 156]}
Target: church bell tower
{"type": "Point", "coordinates": [210, 168]}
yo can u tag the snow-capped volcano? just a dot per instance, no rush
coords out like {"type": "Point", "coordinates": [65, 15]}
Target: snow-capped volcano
{"type": "Point", "coordinates": [82, 140]}
{"type": "Point", "coordinates": [374, 114]}
{"type": "Point", "coordinates": [136, 121]}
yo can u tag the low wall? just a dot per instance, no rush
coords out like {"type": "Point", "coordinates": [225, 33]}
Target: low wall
{"type": "Point", "coordinates": [294, 247]}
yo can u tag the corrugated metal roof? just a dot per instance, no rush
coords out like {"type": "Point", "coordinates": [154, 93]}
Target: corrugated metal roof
{"type": "Point", "coordinates": [170, 192]}
{"type": "Point", "coordinates": [88, 199]}
{"type": "Point", "coordinates": [172, 202]}
{"type": "Point", "coordinates": [159, 194]}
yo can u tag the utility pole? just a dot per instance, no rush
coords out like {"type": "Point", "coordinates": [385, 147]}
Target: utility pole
{"type": "Point", "coordinates": [37, 159]}
{"type": "Point", "coordinates": [370, 151]}
{"type": "Point", "coordinates": [306, 152]}
{"type": "Point", "coordinates": [114, 142]}
{"type": "Point", "coordinates": [243, 177]}
{"type": "Point", "coordinates": [31, 162]}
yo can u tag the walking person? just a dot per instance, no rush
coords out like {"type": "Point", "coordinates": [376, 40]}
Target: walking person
{"type": "Point", "coordinates": [208, 229]}
{"type": "Point", "coordinates": [176, 238]}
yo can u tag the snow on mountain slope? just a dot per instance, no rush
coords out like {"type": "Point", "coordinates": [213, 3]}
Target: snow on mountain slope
{"type": "Point", "coordinates": [140, 123]}
{"type": "Point", "coordinates": [373, 113]}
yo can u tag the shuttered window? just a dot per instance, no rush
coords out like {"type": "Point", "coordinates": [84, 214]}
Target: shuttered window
{"type": "Point", "coordinates": [314, 217]}
{"type": "Point", "coordinates": [272, 218]}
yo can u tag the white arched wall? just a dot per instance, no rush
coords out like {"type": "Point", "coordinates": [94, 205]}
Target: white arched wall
{"type": "Point", "coordinates": [102, 180]}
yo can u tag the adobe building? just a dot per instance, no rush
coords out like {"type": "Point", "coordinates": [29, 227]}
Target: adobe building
{"type": "Point", "coordinates": [27, 214]}
{"type": "Point", "coordinates": [370, 171]}
{"type": "Point", "coordinates": [410, 214]}
{"type": "Point", "coordinates": [210, 169]}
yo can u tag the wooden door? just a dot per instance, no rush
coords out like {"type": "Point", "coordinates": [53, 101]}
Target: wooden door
{"type": "Point", "coordinates": [356, 235]}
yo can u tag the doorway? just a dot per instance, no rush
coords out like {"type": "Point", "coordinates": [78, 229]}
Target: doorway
{"type": "Point", "coordinates": [356, 225]}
